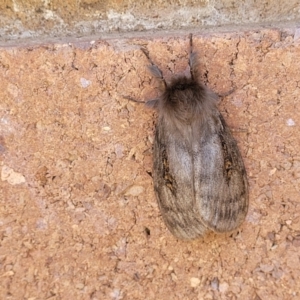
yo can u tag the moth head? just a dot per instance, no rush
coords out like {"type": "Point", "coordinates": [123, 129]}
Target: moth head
{"type": "Point", "coordinates": [185, 92]}
{"type": "Point", "coordinates": [184, 98]}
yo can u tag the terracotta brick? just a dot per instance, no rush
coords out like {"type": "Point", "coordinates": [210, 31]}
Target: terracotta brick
{"type": "Point", "coordinates": [78, 216]}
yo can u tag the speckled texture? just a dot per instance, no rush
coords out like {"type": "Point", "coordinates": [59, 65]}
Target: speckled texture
{"type": "Point", "coordinates": [78, 216]}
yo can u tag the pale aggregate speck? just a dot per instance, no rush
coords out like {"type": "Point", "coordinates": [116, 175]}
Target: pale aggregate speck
{"type": "Point", "coordinates": [290, 122]}
{"type": "Point", "coordinates": [84, 82]}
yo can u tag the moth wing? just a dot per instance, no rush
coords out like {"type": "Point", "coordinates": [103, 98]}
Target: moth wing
{"type": "Point", "coordinates": [221, 187]}
{"type": "Point", "coordinates": [173, 185]}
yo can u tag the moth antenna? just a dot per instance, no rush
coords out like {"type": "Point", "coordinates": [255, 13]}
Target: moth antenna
{"type": "Point", "coordinates": [191, 42]}
{"type": "Point", "coordinates": [154, 70]}
{"type": "Point", "coordinates": [193, 60]}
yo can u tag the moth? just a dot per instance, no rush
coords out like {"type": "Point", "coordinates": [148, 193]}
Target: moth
{"type": "Point", "coordinates": [199, 176]}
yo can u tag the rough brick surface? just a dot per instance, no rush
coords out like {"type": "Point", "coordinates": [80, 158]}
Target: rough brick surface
{"type": "Point", "coordinates": [78, 216]}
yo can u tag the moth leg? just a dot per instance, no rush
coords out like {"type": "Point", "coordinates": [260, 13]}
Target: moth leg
{"type": "Point", "coordinates": [193, 64]}
{"type": "Point", "coordinates": [154, 70]}
{"type": "Point", "coordinates": [153, 103]}
{"type": "Point", "coordinates": [226, 93]}
{"type": "Point", "coordinates": [132, 99]}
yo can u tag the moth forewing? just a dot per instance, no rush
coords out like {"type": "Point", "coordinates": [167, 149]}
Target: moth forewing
{"type": "Point", "coordinates": [222, 177]}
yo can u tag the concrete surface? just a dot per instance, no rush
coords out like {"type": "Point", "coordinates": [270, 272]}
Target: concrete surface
{"type": "Point", "coordinates": [78, 216]}
{"type": "Point", "coordinates": [33, 18]}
